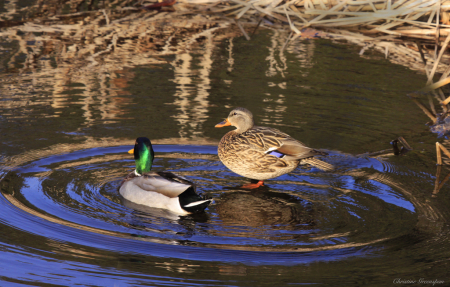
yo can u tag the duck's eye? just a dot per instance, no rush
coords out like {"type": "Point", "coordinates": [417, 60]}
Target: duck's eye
{"type": "Point", "coordinates": [234, 113]}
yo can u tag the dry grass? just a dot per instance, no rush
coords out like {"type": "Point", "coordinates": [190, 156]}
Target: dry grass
{"type": "Point", "coordinates": [414, 33]}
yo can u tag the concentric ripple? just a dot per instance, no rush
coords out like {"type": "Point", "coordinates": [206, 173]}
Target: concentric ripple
{"type": "Point", "coordinates": [73, 198]}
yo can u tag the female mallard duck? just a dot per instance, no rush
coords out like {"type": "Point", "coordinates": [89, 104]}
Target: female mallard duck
{"type": "Point", "coordinates": [159, 189]}
{"type": "Point", "coordinates": [260, 153]}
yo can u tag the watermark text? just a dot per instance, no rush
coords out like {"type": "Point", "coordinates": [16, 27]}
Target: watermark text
{"type": "Point", "coordinates": [432, 282]}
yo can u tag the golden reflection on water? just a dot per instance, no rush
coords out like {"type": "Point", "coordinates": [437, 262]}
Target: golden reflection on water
{"type": "Point", "coordinates": [10, 9]}
{"type": "Point", "coordinates": [276, 65]}
{"type": "Point", "coordinates": [97, 76]}
{"type": "Point", "coordinates": [178, 267]}
{"type": "Point", "coordinates": [66, 249]}
{"type": "Point", "coordinates": [438, 182]}
{"type": "Point", "coordinates": [191, 98]}
{"type": "Point", "coordinates": [56, 57]}
{"type": "Point", "coordinates": [57, 64]}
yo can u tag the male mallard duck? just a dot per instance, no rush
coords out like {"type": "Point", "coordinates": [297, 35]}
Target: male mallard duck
{"type": "Point", "coordinates": [159, 189]}
{"type": "Point", "coordinates": [260, 153]}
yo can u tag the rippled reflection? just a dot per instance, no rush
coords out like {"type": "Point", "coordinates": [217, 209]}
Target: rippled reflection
{"type": "Point", "coordinates": [304, 212]}
{"type": "Point", "coordinates": [192, 95]}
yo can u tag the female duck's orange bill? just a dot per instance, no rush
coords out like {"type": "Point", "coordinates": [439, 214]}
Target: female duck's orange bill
{"type": "Point", "coordinates": [225, 123]}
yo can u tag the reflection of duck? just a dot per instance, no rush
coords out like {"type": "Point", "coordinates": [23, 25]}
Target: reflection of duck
{"type": "Point", "coordinates": [262, 208]}
{"type": "Point", "coordinates": [144, 212]}
{"type": "Point", "coordinates": [161, 189]}
{"type": "Point", "coordinates": [260, 152]}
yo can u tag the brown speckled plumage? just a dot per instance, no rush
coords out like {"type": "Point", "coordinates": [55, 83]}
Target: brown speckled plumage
{"type": "Point", "coordinates": [246, 150]}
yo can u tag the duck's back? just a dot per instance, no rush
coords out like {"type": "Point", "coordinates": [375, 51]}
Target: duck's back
{"type": "Point", "coordinates": [247, 153]}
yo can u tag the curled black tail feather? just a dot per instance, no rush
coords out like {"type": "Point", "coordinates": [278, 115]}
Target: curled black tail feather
{"type": "Point", "coordinates": [192, 202]}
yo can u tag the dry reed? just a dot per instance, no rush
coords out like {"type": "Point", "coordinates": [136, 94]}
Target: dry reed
{"type": "Point", "coordinates": [414, 33]}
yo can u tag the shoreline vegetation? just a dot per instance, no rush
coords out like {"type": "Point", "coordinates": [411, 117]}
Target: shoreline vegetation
{"type": "Point", "coordinates": [85, 35]}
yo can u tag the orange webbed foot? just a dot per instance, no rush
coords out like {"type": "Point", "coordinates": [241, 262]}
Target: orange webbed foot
{"type": "Point", "coordinates": [253, 185]}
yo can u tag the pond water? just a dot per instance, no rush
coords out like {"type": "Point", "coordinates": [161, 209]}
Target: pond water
{"type": "Point", "coordinates": [63, 147]}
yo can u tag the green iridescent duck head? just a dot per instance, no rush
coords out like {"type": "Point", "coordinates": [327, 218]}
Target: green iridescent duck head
{"type": "Point", "coordinates": [143, 155]}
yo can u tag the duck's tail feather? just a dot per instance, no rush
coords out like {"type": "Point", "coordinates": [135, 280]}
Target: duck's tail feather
{"type": "Point", "coordinates": [192, 202]}
{"type": "Point", "coordinates": [195, 203]}
{"type": "Point", "coordinates": [197, 206]}
{"type": "Point", "coordinates": [325, 166]}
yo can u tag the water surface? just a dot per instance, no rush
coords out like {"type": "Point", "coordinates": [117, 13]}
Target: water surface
{"type": "Point", "coordinates": [63, 148]}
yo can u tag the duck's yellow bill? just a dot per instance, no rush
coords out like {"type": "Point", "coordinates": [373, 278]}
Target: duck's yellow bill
{"type": "Point", "coordinates": [131, 151]}
{"type": "Point", "coordinates": [225, 123]}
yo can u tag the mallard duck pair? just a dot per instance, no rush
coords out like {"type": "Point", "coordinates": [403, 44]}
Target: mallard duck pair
{"type": "Point", "coordinates": [159, 189]}
{"type": "Point", "coordinates": [260, 153]}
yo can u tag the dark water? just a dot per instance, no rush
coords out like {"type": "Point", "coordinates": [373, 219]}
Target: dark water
{"type": "Point", "coordinates": [63, 154]}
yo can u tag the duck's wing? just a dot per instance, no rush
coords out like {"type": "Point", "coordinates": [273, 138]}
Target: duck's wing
{"type": "Point", "coordinates": [175, 177]}
{"type": "Point", "coordinates": [279, 144]}
{"type": "Point", "coordinates": [166, 183]}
